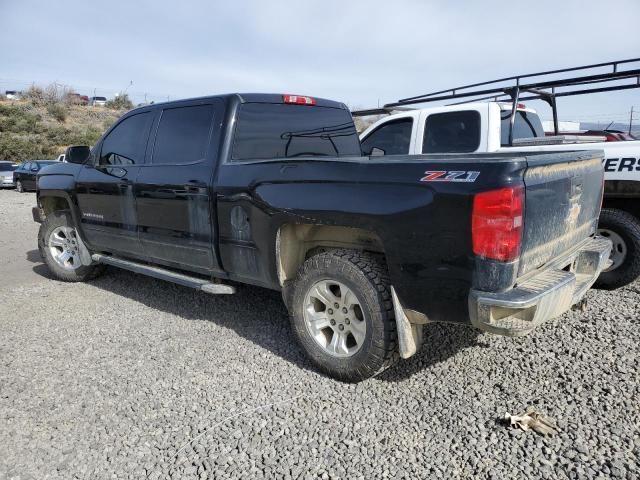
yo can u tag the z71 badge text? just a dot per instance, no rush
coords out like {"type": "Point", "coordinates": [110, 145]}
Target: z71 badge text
{"type": "Point", "coordinates": [449, 176]}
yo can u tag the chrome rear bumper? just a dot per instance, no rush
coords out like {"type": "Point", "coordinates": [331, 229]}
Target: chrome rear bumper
{"type": "Point", "coordinates": [544, 296]}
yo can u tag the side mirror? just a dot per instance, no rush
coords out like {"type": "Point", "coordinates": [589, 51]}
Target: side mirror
{"type": "Point", "coordinates": [377, 152]}
{"type": "Point", "coordinates": [77, 154]}
{"type": "Point", "coordinates": [34, 169]}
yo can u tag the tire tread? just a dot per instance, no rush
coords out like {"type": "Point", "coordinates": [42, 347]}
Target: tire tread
{"type": "Point", "coordinates": [83, 273]}
{"type": "Point", "coordinates": [384, 352]}
{"type": "Point", "coordinates": [610, 218]}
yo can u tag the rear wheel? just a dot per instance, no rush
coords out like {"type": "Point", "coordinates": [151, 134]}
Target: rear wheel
{"type": "Point", "coordinates": [60, 248]}
{"type": "Point", "coordinates": [19, 187]}
{"type": "Point", "coordinates": [342, 314]}
{"type": "Point", "coordinates": [623, 229]}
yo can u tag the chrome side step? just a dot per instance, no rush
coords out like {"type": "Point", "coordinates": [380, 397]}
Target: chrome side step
{"type": "Point", "coordinates": [164, 274]}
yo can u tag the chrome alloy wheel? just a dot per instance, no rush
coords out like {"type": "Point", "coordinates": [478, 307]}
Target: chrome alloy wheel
{"type": "Point", "coordinates": [619, 249]}
{"type": "Point", "coordinates": [63, 246]}
{"type": "Point", "coordinates": [334, 318]}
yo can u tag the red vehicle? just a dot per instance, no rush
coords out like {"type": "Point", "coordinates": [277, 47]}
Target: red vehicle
{"type": "Point", "coordinates": [610, 135]}
{"type": "Point", "coordinates": [78, 99]}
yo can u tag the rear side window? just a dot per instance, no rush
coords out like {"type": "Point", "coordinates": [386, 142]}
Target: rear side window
{"type": "Point", "coordinates": [526, 125]}
{"type": "Point", "coordinates": [126, 143]}
{"type": "Point", "coordinates": [452, 132]}
{"type": "Point", "coordinates": [393, 138]}
{"type": "Point", "coordinates": [183, 135]}
{"type": "Point", "coordinates": [273, 130]}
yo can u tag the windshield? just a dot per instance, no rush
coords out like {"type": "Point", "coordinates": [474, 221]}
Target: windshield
{"type": "Point", "coordinates": [526, 125]}
{"type": "Point", "coordinates": [7, 167]}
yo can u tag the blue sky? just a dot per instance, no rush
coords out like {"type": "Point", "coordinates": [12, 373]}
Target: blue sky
{"type": "Point", "coordinates": [359, 52]}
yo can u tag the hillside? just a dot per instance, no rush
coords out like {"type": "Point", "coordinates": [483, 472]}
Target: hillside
{"type": "Point", "coordinates": [29, 130]}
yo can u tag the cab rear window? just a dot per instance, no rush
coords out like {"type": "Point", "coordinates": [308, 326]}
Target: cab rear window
{"type": "Point", "coordinates": [526, 125]}
{"type": "Point", "coordinates": [273, 130]}
{"type": "Point", "coordinates": [452, 132]}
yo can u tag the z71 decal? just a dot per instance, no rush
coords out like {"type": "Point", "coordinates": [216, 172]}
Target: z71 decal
{"type": "Point", "coordinates": [449, 176]}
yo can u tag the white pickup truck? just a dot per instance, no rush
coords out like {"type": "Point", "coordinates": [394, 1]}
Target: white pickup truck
{"type": "Point", "coordinates": [484, 127]}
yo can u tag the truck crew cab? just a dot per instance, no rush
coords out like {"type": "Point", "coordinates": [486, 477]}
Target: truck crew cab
{"type": "Point", "coordinates": [272, 190]}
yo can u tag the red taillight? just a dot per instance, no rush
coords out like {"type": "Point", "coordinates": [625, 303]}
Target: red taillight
{"type": "Point", "coordinates": [298, 99]}
{"type": "Point", "coordinates": [496, 225]}
{"type": "Point", "coordinates": [522, 106]}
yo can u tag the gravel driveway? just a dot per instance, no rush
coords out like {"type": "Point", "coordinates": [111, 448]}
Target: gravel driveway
{"type": "Point", "coordinates": [131, 377]}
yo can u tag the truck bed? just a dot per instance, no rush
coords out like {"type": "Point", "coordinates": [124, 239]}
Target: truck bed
{"type": "Point", "coordinates": [424, 226]}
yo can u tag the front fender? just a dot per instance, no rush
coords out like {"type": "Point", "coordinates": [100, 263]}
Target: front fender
{"type": "Point", "coordinates": [58, 181]}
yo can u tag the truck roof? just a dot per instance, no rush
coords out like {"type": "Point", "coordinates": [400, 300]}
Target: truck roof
{"type": "Point", "coordinates": [252, 98]}
{"type": "Point", "coordinates": [442, 108]}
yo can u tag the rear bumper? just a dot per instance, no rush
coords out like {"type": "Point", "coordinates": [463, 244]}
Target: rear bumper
{"type": "Point", "coordinates": [546, 295]}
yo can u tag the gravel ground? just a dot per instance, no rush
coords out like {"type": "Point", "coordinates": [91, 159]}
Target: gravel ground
{"type": "Point", "coordinates": [130, 377]}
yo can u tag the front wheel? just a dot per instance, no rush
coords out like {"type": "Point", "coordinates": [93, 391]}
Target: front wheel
{"type": "Point", "coordinates": [19, 187]}
{"type": "Point", "coordinates": [623, 229]}
{"type": "Point", "coordinates": [342, 314]}
{"type": "Point", "coordinates": [59, 246]}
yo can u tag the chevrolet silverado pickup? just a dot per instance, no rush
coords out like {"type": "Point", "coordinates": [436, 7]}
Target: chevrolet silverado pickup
{"type": "Point", "coordinates": [272, 190]}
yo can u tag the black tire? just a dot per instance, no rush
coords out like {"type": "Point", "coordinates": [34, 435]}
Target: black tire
{"type": "Point", "coordinates": [627, 227]}
{"type": "Point", "coordinates": [19, 187]}
{"type": "Point", "coordinates": [79, 274]}
{"type": "Point", "coordinates": [366, 276]}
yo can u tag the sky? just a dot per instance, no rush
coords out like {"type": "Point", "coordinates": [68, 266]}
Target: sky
{"type": "Point", "coordinates": [362, 53]}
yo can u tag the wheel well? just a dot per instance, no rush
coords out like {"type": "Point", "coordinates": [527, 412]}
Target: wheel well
{"type": "Point", "coordinates": [297, 242]}
{"type": "Point", "coordinates": [629, 205]}
{"type": "Point", "coordinates": [53, 204]}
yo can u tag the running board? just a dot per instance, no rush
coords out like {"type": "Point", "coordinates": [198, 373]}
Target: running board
{"type": "Point", "coordinates": [164, 274]}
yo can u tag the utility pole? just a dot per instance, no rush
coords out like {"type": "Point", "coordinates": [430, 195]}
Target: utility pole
{"type": "Point", "coordinates": [630, 119]}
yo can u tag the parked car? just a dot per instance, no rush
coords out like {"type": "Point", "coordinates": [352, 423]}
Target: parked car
{"type": "Point", "coordinates": [6, 174]}
{"type": "Point", "coordinates": [272, 190]}
{"type": "Point", "coordinates": [12, 94]}
{"type": "Point", "coordinates": [78, 99]}
{"type": "Point", "coordinates": [24, 177]}
{"type": "Point", "coordinates": [98, 101]}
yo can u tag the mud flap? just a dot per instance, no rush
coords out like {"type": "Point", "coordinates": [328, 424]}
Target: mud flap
{"type": "Point", "coordinates": [409, 335]}
{"type": "Point", "coordinates": [85, 255]}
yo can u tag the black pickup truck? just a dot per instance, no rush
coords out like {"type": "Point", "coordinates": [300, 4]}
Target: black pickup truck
{"type": "Point", "coordinates": [273, 190]}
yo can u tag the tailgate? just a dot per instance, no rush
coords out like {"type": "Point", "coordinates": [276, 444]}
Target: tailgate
{"type": "Point", "coordinates": [563, 199]}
